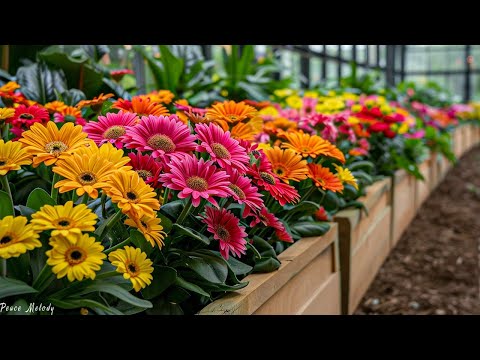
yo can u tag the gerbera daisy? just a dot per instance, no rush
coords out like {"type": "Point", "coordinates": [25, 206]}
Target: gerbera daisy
{"type": "Point", "coordinates": [66, 220]}
{"type": "Point", "coordinates": [163, 135]}
{"type": "Point", "coordinates": [324, 178]}
{"type": "Point", "coordinates": [132, 195]}
{"type": "Point", "coordinates": [108, 152]}
{"type": "Point", "coordinates": [117, 75]}
{"type": "Point", "coordinates": [6, 113]}
{"type": "Point", "coordinates": [244, 192]}
{"type": "Point", "coordinates": [346, 176]}
{"type": "Point", "coordinates": [270, 220]}
{"type": "Point", "coordinates": [141, 106]}
{"type": "Point", "coordinates": [146, 167]}
{"type": "Point", "coordinates": [231, 112]}
{"type": "Point", "coordinates": [322, 215]}
{"type": "Point", "coordinates": [16, 237]}
{"type": "Point", "coordinates": [134, 264]}
{"type": "Point", "coordinates": [150, 228]}
{"type": "Point", "coordinates": [83, 173]}
{"type": "Point", "coordinates": [226, 229]}
{"type": "Point", "coordinates": [286, 164]}
{"type": "Point", "coordinates": [26, 116]}
{"type": "Point", "coordinates": [96, 103]}
{"type": "Point", "coordinates": [48, 144]}
{"type": "Point", "coordinates": [221, 147]}
{"type": "Point", "coordinates": [76, 261]}
{"type": "Point", "coordinates": [161, 96]}
{"type": "Point", "coordinates": [55, 106]}
{"type": "Point", "coordinates": [196, 178]}
{"type": "Point", "coordinates": [247, 131]}
{"type": "Point", "coordinates": [311, 145]}
{"type": "Point", "coordinates": [9, 87]}
{"type": "Point", "coordinates": [12, 157]}
{"type": "Point", "coordinates": [69, 114]}
{"type": "Point", "coordinates": [110, 128]}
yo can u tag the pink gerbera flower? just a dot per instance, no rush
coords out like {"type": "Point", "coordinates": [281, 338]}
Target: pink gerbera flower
{"type": "Point", "coordinates": [226, 229]}
{"type": "Point", "coordinates": [270, 220]}
{"type": "Point", "coordinates": [165, 136]}
{"type": "Point", "coordinates": [244, 192]}
{"type": "Point", "coordinates": [110, 128]}
{"type": "Point", "coordinates": [196, 178]}
{"type": "Point", "coordinates": [222, 148]}
{"type": "Point", "coordinates": [146, 167]}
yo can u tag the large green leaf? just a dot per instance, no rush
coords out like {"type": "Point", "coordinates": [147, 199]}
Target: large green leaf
{"type": "Point", "coordinates": [5, 205]}
{"type": "Point", "coordinates": [310, 228]}
{"type": "Point", "coordinates": [163, 277]}
{"type": "Point", "coordinates": [163, 307]}
{"type": "Point", "coordinates": [140, 242]}
{"type": "Point", "coordinates": [40, 83]}
{"type": "Point", "coordinates": [179, 229]}
{"type": "Point", "coordinates": [305, 208]}
{"type": "Point", "coordinates": [20, 308]}
{"type": "Point", "coordinates": [189, 286]}
{"type": "Point", "coordinates": [363, 164]}
{"type": "Point", "coordinates": [10, 287]}
{"type": "Point", "coordinates": [76, 303]}
{"type": "Point", "coordinates": [38, 198]}
{"type": "Point", "coordinates": [172, 209]}
{"type": "Point", "coordinates": [207, 266]}
{"type": "Point", "coordinates": [173, 67]}
{"type": "Point", "coordinates": [268, 261]}
{"type": "Point", "coordinates": [116, 291]}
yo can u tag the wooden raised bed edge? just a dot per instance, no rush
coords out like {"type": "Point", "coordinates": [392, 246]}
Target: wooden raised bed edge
{"type": "Point", "coordinates": [307, 282]}
{"type": "Point", "coordinates": [403, 203]}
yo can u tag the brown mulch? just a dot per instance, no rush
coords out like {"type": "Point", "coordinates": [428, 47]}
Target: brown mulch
{"type": "Point", "coordinates": [434, 269]}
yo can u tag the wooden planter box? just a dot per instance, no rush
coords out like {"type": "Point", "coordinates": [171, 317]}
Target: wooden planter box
{"type": "Point", "coordinates": [442, 166]}
{"type": "Point", "coordinates": [364, 242]}
{"type": "Point", "coordinates": [307, 282]}
{"type": "Point", "coordinates": [424, 187]}
{"type": "Point", "coordinates": [457, 141]}
{"type": "Point", "coordinates": [403, 203]}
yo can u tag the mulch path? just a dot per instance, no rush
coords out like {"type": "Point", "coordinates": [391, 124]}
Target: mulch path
{"type": "Point", "coordinates": [434, 269]}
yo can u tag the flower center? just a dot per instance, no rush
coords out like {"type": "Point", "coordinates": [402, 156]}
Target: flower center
{"type": "Point", "coordinates": [305, 149]}
{"type": "Point", "coordinates": [3, 162]}
{"type": "Point", "coordinates": [268, 178]}
{"type": "Point", "coordinates": [222, 233]}
{"type": "Point", "coordinates": [239, 192]}
{"type": "Point", "coordinates": [133, 269]}
{"type": "Point", "coordinates": [75, 255]}
{"type": "Point", "coordinates": [87, 178]}
{"type": "Point", "coordinates": [64, 223]}
{"type": "Point", "coordinates": [220, 151]}
{"type": "Point", "coordinates": [114, 132]}
{"type": "Point", "coordinates": [131, 196]}
{"type": "Point", "coordinates": [233, 117]}
{"type": "Point", "coordinates": [161, 142]}
{"type": "Point", "coordinates": [144, 174]}
{"type": "Point", "coordinates": [26, 116]}
{"type": "Point", "coordinates": [56, 148]}
{"type": "Point", "coordinates": [197, 183]}
{"type": "Point", "coordinates": [280, 171]}
{"type": "Point", "coordinates": [144, 224]}
{"type": "Point", "coordinates": [5, 240]}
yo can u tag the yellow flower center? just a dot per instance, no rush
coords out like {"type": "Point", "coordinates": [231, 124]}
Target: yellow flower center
{"type": "Point", "coordinates": [220, 151]}
{"type": "Point", "coordinates": [4, 241]}
{"type": "Point", "coordinates": [75, 256]}
{"type": "Point", "coordinates": [239, 192]}
{"type": "Point", "coordinates": [56, 148]}
{"type": "Point", "coordinates": [64, 223]}
{"type": "Point", "coordinates": [114, 132]}
{"type": "Point", "coordinates": [267, 177]}
{"type": "Point", "coordinates": [233, 117]}
{"type": "Point", "coordinates": [305, 149]}
{"type": "Point", "coordinates": [197, 183]}
{"type": "Point", "coordinates": [161, 142]}
{"type": "Point", "coordinates": [26, 116]}
{"type": "Point", "coordinates": [133, 269]}
{"type": "Point", "coordinates": [87, 178]}
{"type": "Point", "coordinates": [132, 196]}
{"type": "Point", "coordinates": [144, 174]}
{"type": "Point", "coordinates": [222, 233]}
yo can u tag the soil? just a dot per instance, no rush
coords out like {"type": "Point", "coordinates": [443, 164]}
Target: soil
{"type": "Point", "coordinates": [434, 269]}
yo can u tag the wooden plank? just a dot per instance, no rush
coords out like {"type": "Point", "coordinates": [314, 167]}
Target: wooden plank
{"type": "Point", "coordinates": [403, 204]}
{"type": "Point", "coordinates": [263, 286]}
{"type": "Point", "coordinates": [423, 187]}
{"type": "Point", "coordinates": [326, 300]}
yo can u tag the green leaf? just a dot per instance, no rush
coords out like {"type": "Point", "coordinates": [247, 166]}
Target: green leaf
{"type": "Point", "coordinates": [6, 208]}
{"type": "Point", "coordinates": [209, 267]}
{"type": "Point", "coordinates": [40, 83]}
{"type": "Point", "coordinates": [269, 261]}
{"type": "Point", "coordinates": [238, 267]}
{"type": "Point", "coordinates": [137, 238]}
{"type": "Point", "coordinates": [116, 291]}
{"type": "Point", "coordinates": [75, 303]}
{"type": "Point", "coordinates": [38, 198]}
{"type": "Point", "coordinates": [176, 295]}
{"type": "Point", "coordinates": [173, 67]}
{"type": "Point", "coordinates": [25, 211]}
{"type": "Point", "coordinates": [21, 306]}
{"type": "Point", "coordinates": [307, 228]}
{"type": "Point", "coordinates": [305, 208]}
{"type": "Point", "coordinates": [163, 277]}
{"type": "Point", "coordinates": [172, 209]}
{"type": "Point", "coordinates": [179, 229]}
{"type": "Point", "coordinates": [10, 287]}
{"type": "Point", "coordinates": [189, 286]}
{"type": "Point", "coordinates": [165, 222]}
{"type": "Point", "coordinates": [163, 307]}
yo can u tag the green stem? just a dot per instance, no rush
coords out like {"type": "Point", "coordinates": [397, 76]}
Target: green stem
{"type": "Point", "coordinates": [85, 199]}
{"type": "Point", "coordinates": [107, 275]}
{"type": "Point", "coordinates": [4, 267]}
{"type": "Point", "coordinates": [104, 209]}
{"type": "Point", "coordinates": [185, 212]}
{"type": "Point", "coordinates": [5, 131]}
{"type": "Point", "coordinates": [6, 188]}
{"type": "Point", "coordinates": [43, 279]}
{"type": "Point", "coordinates": [166, 193]}
{"type": "Point", "coordinates": [111, 223]}
{"type": "Point", "coordinates": [54, 192]}
{"type": "Point", "coordinates": [118, 246]}
{"type": "Point", "coordinates": [74, 197]}
{"type": "Point", "coordinates": [308, 193]}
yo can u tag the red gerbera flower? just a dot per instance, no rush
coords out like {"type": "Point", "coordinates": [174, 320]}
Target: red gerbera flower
{"type": "Point", "coordinates": [117, 75]}
{"type": "Point", "coordinates": [270, 220]}
{"type": "Point", "coordinates": [26, 116]}
{"type": "Point", "coordinates": [226, 229]}
{"type": "Point", "coordinates": [222, 148]}
{"type": "Point", "coordinates": [165, 136]}
{"type": "Point", "coordinates": [244, 192]}
{"type": "Point", "coordinates": [110, 128]}
{"type": "Point", "coordinates": [146, 167]}
{"type": "Point", "coordinates": [196, 178]}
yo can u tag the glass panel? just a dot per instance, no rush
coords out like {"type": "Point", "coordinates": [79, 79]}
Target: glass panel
{"type": "Point", "coordinates": [316, 48]}
{"type": "Point", "coordinates": [315, 71]}
{"type": "Point", "coordinates": [383, 55]}
{"type": "Point", "coordinates": [361, 53]}
{"type": "Point", "coordinates": [332, 50]}
{"type": "Point", "coordinates": [331, 70]}
{"type": "Point", "coordinates": [346, 52]}
{"type": "Point", "coordinates": [372, 54]}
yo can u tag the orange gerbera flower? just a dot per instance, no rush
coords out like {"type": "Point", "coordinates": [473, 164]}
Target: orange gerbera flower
{"type": "Point", "coordinates": [9, 87]}
{"type": "Point", "coordinates": [231, 112]}
{"type": "Point", "coordinates": [247, 131]}
{"type": "Point", "coordinates": [70, 110]}
{"type": "Point", "coordinates": [55, 106]}
{"type": "Point", "coordinates": [324, 178]}
{"type": "Point", "coordinates": [142, 106]}
{"type": "Point", "coordinates": [161, 96]}
{"type": "Point", "coordinates": [286, 164]}
{"type": "Point", "coordinates": [96, 103]}
{"type": "Point", "coordinates": [311, 145]}
{"type": "Point", "coordinates": [181, 114]}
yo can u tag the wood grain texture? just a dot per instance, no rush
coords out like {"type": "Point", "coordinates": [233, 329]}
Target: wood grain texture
{"type": "Point", "coordinates": [423, 187]}
{"type": "Point", "coordinates": [403, 203]}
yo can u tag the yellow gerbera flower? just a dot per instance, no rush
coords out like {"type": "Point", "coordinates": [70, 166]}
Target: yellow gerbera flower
{"type": "Point", "coordinates": [12, 156]}
{"type": "Point", "coordinates": [83, 173]}
{"type": "Point", "coordinates": [294, 101]}
{"type": "Point", "coordinates": [6, 113]}
{"type": "Point", "coordinates": [346, 176]}
{"type": "Point", "coordinates": [76, 261]}
{"type": "Point", "coordinates": [108, 152]}
{"type": "Point", "coordinates": [150, 228]}
{"type": "Point", "coordinates": [48, 144]}
{"type": "Point", "coordinates": [128, 190]}
{"type": "Point", "coordinates": [65, 220]}
{"type": "Point", "coordinates": [134, 265]}
{"type": "Point", "coordinates": [268, 111]}
{"type": "Point", "coordinates": [16, 237]}
{"type": "Point", "coordinates": [287, 164]}
{"type": "Point", "coordinates": [55, 106]}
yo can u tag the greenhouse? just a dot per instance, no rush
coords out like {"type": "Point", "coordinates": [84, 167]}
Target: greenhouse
{"type": "Point", "coordinates": [239, 179]}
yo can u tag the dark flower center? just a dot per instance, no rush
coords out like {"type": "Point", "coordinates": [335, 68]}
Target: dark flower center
{"type": "Point", "coordinates": [75, 256]}
{"type": "Point", "coordinates": [26, 116]}
{"type": "Point", "coordinates": [239, 192]}
{"type": "Point", "coordinates": [86, 178]}
{"type": "Point", "coordinates": [63, 223]}
{"type": "Point", "coordinates": [144, 224]}
{"type": "Point", "coordinates": [161, 142]}
{"type": "Point", "coordinates": [220, 151]}
{"type": "Point", "coordinates": [5, 240]}
{"type": "Point", "coordinates": [233, 117]}
{"type": "Point", "coordinates": [144, 174]}
{"type": "Point", "coordinates": [132, 268]}
{"type": "Point", "coordinates": [114, 132]}
{"type": "Point", "coordinates": [131, 195]}
{"type": "Point", "coordinates": [268, 178]}
{"type": "Point", "coordinates": [279, 171]}
{"type": "Point", "coordinates": [223, 233]}
{"type": "Point", "coordinates": [55, 148]}
{"type": "Point", "coordinates": [2, 163]}
{"type": "Point", "coordinates": [197, 183]}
